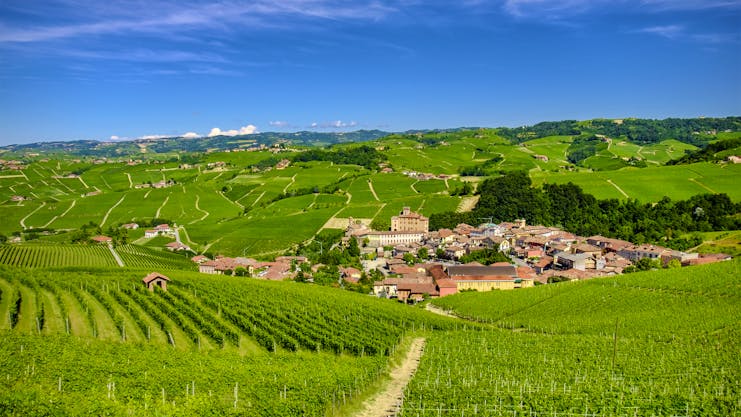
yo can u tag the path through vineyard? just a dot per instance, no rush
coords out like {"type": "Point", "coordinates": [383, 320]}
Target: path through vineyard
{"type": "Point", "coordinates": [388, 401]}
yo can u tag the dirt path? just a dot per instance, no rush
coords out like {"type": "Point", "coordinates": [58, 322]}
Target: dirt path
{"type": "Point", "coordinates": [389, 401]}
{"type": "Point", "coordinates": [437, 310]}
{"type": "Point", "coordinates": [467, 204]}
{"type": "Point", "coordinates": [370, 185]}
{"type": "Point", "coordinates": [102, 222]}
{"type": "Point", "coordinates": [618, 188]}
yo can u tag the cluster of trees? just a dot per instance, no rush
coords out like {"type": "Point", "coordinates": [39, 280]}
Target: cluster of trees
{"type": "Point", "coordinates": [644, 131]}
{"type": "Point", "coordinates": [364, 156]}
{"type": "Point", "coordinates": [483, 169]}
{"type": "Point", "coordinates": [584, 147]}
{"type": "Point", "coordinates": [512, 196]}
{"type": "Point", "coordinates": [707, 153]}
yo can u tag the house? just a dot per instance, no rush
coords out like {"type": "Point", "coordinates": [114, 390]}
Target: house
{"type": "Point", "coordinates": [543, 158]}
{"type": "Point", "coordinates": [542, 264]}
{"type": "Point", "coordinates": [497, 243]}
{"type": "Point", "coordinates": [150, 233]}
{"type": "Point", "coordinates": [350, 274]}
{"type": "Point", "coordinates": [444, 285]}
{"type": "Point", "coordinates": [156, 279]}
{"type": "Point", "coordinates": [177, 246]}
{"type": "Point", "coordinates": [101, 239]}
{"type": "Point", "coordinates": [415, 291]}
{"type": "Point", "coordinates": [130, 226]}
{"type": "Point", "coordinates": [409, 221]}
{"type": "Point", "coordinates": [18, 198]}
{"type": "Point", "coordinates": [163, 228]}
{"type": "Point", "coordinates": [588, 249]}
{"type": "Point", "coordinates": [199, 259]}
{"type": "Point", "coordinates": [500, 275]}
{"type": "Point", "coordinates": [567, 260]}
{"type": "Point", "coordinates": [608, 244]}
{"type": "Point", "coordinates": [455, 252]}
{"type": "Point", "coordinates": [637, 252]}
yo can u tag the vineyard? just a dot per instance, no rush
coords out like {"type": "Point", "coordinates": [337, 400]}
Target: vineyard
{"type": "Point", "coordinates": [661, 343]}
{"type": "Point", "coordinates": [47, 255]}
{"type": "Point", "coordinates": [68, 255]}
{"type": "Point", "coordinates": [303, 348]}
{"type": "Point", "coordinates": [658, 343]}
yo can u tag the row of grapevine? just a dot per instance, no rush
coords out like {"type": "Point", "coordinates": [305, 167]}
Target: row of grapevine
{"type": "Point", "coordinates": [134, 256]}
{"type": "Point", "coordinates": [42, 255]}
{"type": "Point", "coordinates": [501, 373]}
{"type": "Point", "coordinates": [664, 304]}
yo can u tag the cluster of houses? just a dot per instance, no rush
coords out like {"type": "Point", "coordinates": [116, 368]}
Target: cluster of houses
{"type": "Point", "coordinates": [158, 184]}
{"type": "Point", "coordinates": [13, 165]}
{"type": "Point", "coordinates": [539, 253]}
{"type": "Point", "coordinates": [284, 267]}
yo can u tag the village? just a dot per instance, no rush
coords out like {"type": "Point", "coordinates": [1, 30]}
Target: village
{"type": "Point", "coordinates": [417, 264]}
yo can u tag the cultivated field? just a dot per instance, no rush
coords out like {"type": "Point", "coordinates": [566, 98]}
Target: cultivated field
{"type": "Point", "coordinates": [657, 343]}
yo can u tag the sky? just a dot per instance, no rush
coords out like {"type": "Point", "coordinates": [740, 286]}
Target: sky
{"type": "Point", "coordinates": [115, 70]}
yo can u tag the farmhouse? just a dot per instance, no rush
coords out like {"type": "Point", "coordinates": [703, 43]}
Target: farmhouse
{"type": "Point", "coordinates": [155, 279]}
{"type": "Point", "coordinates": [177, 246]}
{"type": "Point", "coordinates": [101, 239]}
{"type": "Point", "coordinates": [130, 226]}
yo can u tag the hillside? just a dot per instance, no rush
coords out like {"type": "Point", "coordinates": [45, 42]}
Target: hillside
{"type": "Point", "coordinates": [301, 349]}
{"type": "Point", "coordinates": [657, 343]}
{"type": "Point", "coordinates": [660, 343]}
{"type": "Point", "coordinates": [238, 202]}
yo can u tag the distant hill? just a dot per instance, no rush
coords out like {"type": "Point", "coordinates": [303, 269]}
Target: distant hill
{"type": "Point", "coordinates": [179, 144]}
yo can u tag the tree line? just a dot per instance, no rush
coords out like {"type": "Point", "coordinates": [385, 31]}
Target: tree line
{"type": "Point", "coordinates": [512, 196]}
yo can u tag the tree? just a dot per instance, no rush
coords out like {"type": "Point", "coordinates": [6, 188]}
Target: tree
{"type": "Point", "coordinates": [422, 253]}
{"type": "Point", "coordinates": [409, 258]}
{"type": "Point", "coordinates": [353, 249]}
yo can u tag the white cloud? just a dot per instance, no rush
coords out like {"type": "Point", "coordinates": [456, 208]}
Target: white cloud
{"type": "Point", "coordinates": [150, 137]}
{"type": "Point", "coordinates": [279, 123]}
{"type": "Point", "coordinates": [244, 130]}
{"type": "Point", "coordinates": [190, 135]}
{"type": "Point", "coordinates": [114, 137]}
{"type": "Point", "coordinates": [314, 125]}
{"type": "Point", "coordinates": [668, 31]}
{"type": "Point", "coordinates": [337, 124]}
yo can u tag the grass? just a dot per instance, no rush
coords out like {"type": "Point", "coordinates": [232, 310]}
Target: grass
{"type": "Point", "coordinates": [651, 184]}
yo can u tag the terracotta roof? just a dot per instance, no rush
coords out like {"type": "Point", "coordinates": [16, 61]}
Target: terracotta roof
{"type": "Point", "coordinates": [152, 276]}
{"type": "Point", "coordinates": [101, 239]}
{"type": "Point", "coordinates": [446, 283]}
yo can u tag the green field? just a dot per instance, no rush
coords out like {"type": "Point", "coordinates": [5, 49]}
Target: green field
{"type": "Point", "coordinates": [679, 182]}
{"type": "Point", "coordinates": [655, 343]}
{"type": "Point", "coordinates": [236, 210]}
{"type": "Point", "coordinates": [240, 346]}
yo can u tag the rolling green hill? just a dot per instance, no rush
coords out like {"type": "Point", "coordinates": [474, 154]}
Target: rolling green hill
{"type": "Point", "coordinates": [241, 202]}
{"type": "Point", "coordinates": [80, 341]}
{"type": "Point", "coordinates": [657, 343]}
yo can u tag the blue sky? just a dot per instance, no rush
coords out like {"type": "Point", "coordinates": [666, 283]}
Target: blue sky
{"type": "Point", "coordinates": [89, 69]}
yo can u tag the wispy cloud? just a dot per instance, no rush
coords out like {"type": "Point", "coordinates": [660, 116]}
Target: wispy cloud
{"type": "Point", "coordinates": [691, 4]}
{"type": "Point", "coordinates": [174, 17]}
{"type": "Point", "coordinates": [667, 31]}
{"type": "Point", "coordinates": [682, 33]}
{"type": "Point", "coordinates": [279, 123]}
{"type": "Point", "coordinates": [557, 9]}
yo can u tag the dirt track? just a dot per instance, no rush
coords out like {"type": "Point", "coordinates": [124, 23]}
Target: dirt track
{"type": "Point", "coordinates": [388, 402]}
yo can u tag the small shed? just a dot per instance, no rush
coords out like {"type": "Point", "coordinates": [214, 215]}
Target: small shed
{"type": "Point", "coordinates": [155, 278]}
